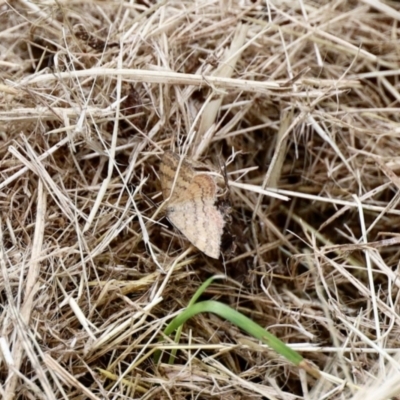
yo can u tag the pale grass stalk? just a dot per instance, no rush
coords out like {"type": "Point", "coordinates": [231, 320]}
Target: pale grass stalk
{"type": "Point", "coordinates": [22, 316]}
{"type": "Point", "coordinates": [349, 204]}
{"type": "Point", "coordinates": [364, 239]}
{"type": "Point", "coordinates": [161, 76]}
{"type": "Point", "coordinates": [25, 169]}
{"type": "Point", "coordinates": [67, 378]}
{"type": "Point", "coordinates": [226, 69]}
{"type": "Point", "coordinates": [111, 155]}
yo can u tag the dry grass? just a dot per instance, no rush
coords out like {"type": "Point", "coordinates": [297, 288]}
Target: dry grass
{"type": "Point", "coordinates": [300, 97]}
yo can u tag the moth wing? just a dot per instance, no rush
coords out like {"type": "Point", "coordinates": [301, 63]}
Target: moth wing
{"type": "Point", "coordinates": [194, 214]}
{"type": "Point", "coordinates": [168, 170]}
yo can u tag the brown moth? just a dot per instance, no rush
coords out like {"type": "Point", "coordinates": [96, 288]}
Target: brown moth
{"type": "Point", "coordinates": [190, 207]}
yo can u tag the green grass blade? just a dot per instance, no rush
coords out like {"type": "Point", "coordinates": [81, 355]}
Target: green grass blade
{"type": "Point", "coordinates": [198, 293]}
{"type": "Point", "coordinates": [239, 320]}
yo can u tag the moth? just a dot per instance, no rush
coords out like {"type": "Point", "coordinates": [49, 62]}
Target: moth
{"type": "Point", "coordinates": [190, 208]}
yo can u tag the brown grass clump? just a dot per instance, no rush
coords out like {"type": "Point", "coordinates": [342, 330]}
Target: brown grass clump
{"type": "Point", "coordinates": [297, 98]}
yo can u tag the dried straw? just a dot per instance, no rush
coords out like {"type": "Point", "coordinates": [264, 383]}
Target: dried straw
{"type": "Point", "coordinates": [298, 99]}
